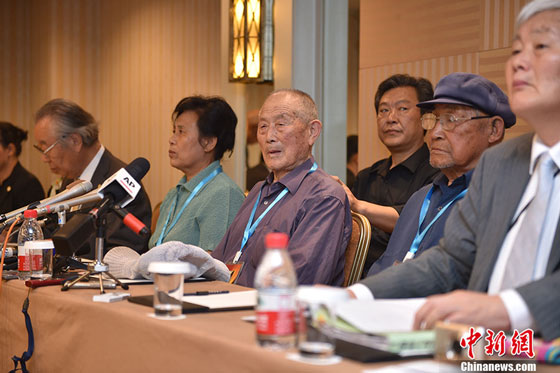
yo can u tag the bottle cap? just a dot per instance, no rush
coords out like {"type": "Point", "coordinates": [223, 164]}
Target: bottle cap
{"type": "Point", "coordinates": [39, 244]}
{"type": "Point", "coordinates": [30, 214]}
{"type": "Point", "coordinates": [276, 240]}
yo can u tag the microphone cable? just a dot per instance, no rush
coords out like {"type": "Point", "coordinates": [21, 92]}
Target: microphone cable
{"type": "Point", "coordinates": [4, 250]}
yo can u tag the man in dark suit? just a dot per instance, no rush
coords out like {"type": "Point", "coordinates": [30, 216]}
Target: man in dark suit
{"type": "Point", "coordinates": [502, 242]}
{"type": "Point", "coordinates": [68, 138]}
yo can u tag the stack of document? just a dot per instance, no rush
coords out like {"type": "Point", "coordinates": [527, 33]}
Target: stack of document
{"type": "Point", "coordinates": [385, 325]}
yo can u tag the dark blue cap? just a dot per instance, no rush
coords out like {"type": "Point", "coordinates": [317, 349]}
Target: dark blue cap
{"type": "Point", "coordinates": [474, 91]}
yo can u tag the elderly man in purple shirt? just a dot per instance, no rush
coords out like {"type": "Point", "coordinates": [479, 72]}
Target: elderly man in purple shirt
{"type": "Point", "coordinates": [297, 198]}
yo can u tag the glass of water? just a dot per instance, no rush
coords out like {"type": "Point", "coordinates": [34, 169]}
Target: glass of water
{"type": "Point", "coordinates": [41, 254]}
{"type": "Point", "coordinates": [168, 287]}
{"type": "Point", "coordinates": [316, 320]}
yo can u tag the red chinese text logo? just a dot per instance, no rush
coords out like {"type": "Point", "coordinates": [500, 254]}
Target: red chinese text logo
{"type": "Point", "coordinates": [521, 342]}
{"type": "Point", "coordinates": [470, 341]}
{"type": "Point", "coordinates": [495, 342]}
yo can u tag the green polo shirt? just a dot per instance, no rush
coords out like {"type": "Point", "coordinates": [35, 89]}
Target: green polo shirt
{"type": "Point", "coordinates": [205, 220]}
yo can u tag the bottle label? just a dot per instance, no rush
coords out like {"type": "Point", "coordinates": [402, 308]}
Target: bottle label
{"type": "Point", "coordinates": [23, 259]}
{"type": "Point", "coordinates": [36, 260]}
{"type": "Point", "coordinates": [276, 313]}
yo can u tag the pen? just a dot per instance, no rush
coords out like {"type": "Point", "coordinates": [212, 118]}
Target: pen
{"type": "Point", "coordinates": [207, 292]}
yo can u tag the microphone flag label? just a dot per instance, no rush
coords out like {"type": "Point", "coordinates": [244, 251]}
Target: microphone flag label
{"type": "Point", "coordinates": [127, 182]}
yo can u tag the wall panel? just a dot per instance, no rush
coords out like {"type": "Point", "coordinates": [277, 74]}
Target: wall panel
{"type": "Point", "coordinates": [410, 30]}
{"type": "Point", "coordinates": [128, 62]}
{"type": "Point", "coordinates": [429, 38]}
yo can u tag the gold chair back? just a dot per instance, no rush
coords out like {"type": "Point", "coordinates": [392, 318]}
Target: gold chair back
{"type": "Point", "coordinates": [357, 249]}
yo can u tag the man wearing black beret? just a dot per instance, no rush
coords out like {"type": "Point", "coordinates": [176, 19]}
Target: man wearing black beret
{"type": "Point", "coordinates": [468, 116]}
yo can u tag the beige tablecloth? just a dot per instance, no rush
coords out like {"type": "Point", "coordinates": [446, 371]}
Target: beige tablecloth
{"type": "Point", "coordinates": [75, 334]}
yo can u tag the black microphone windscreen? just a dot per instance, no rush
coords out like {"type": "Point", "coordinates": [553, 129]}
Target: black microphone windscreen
{"type": "Point", "coordinates": [138, 168]}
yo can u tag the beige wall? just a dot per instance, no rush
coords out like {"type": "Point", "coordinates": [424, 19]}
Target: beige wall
{"type": "Point", "coordinates": [429, 38]}
{"type": "Point", "coordinates": [128, 62]}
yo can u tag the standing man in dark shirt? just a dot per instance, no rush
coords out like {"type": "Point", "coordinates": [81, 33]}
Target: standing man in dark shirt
{"type": "Point", "coordinates": [381, 190]}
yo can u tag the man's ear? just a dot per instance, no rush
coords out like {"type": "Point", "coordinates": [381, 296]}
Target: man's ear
{"type": "Point", "coordinates": [315, 127]}
{"type": "Point", "coordinates": [209, 143]}
{"type": "Point", "coordinates": [11, 149]}
{"type": "Point", "coordinates": [75, 142]}
{"type": "Point", "coordinates": [497, 129]}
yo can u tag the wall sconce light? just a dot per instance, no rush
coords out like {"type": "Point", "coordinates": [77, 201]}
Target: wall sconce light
{"type": "Point", "coordinates": [251, 41]}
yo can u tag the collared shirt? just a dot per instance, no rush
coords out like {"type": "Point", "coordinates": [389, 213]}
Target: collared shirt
{"type": "Point", "coordinates": [407, 225]}
{"type": "Point", "coordinates": [209, 214]}
{"type": "Point", "coordinates": [518, 311]}
{"type": "Point", "coordinates": [20, 189]}
{"type": "Point", "coordinates": [383, 185]}
{"type": "Point", "coordinates": [315, 214]}
{"type": "Point", "coordinates": [87, 173]}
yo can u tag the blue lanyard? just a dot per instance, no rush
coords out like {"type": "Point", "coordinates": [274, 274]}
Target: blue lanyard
{"type": "Point", "coordinates": [423, 211]}
{"type": "Point", "coordinates": [251, 227]}
{"type": "Point", "coordinates": [205, 181]}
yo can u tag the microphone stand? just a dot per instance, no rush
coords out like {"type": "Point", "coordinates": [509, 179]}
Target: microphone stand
{"type": "Point", "coordinates": [97, 267]}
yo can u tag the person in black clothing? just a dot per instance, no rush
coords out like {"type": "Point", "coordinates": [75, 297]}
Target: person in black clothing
{"type": "Point", "coordinates": [18, 187]}
{"type": "Point", "coordinates": [380, 191]}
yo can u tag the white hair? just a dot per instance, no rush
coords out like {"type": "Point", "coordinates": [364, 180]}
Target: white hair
{"type": "Point", "coordinates": [534, 7]}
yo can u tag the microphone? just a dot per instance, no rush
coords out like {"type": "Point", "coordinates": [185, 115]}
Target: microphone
{"type": "Point", "coordinates": [119, 189]}
{"type": "Point", "coordinates": [92, 196]}
{"type": "Point", "coordinates": [132, 221]}
{"type": "Point", "coordinates": [111, 188]}
{"type": "Point", "coordinates": [76, 190]}
{"type": "Point", "coordinates": [122, 187]}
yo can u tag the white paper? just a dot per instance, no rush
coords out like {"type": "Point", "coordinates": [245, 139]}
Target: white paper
{"type": "Point", "coordinates": [380, 316]}
{"type": "Point", "coordinates": [216, 301]}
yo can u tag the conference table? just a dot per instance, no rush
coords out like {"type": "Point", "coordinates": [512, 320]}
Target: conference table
{"type": "Point", "coordinates": [75, 334]}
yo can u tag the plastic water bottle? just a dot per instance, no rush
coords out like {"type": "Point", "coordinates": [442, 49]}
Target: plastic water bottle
{"type": "Point", "coordinates": [276, 283]}
{"type": "Point", "coordinates": [29, 231]}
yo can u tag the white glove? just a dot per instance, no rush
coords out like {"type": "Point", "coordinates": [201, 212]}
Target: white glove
{"type": "Point", "coordinates": [126, 263]}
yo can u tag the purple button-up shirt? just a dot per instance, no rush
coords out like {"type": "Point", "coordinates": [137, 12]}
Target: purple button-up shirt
{"type": "Point", "coordinates": [315, 213]}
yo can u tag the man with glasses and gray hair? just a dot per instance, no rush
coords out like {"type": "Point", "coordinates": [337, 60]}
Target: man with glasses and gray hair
{"type": "Point", "coordinates": [468, 116]}
{"type": "Point", "coordinates": [68, 139]}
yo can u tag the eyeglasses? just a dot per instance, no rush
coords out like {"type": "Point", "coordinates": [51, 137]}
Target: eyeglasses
{"type": "Point", "coordinates": [44, 152]}
{"type": "Point", "coordinates": [448, 121]}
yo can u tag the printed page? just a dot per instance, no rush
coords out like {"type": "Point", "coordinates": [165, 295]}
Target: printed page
{"type": "Point", "coordinates": [380, 316]}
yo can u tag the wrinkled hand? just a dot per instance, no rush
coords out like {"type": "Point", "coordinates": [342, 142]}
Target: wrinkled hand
{"type": "Point", "coordinates": [465, 307]}
{"type": "Point", "coordinates": [351, 198]}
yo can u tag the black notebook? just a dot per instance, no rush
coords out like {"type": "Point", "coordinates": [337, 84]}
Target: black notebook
{"type": "Point", "coordinates": [148, 300]}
